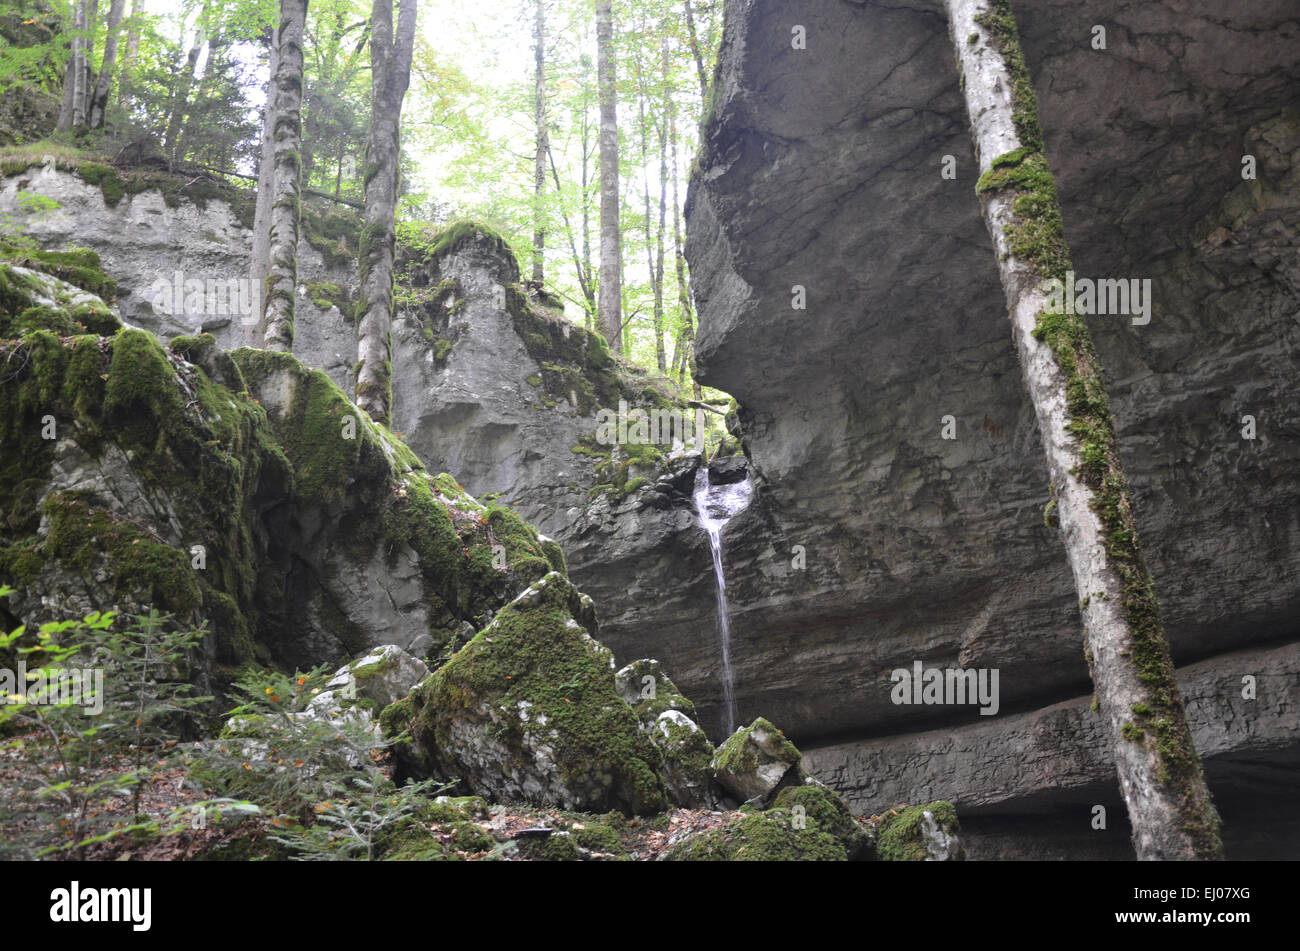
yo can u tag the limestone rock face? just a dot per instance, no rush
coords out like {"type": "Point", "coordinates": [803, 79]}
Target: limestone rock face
{"type": "Point", "coordinates": [925, 548]}
{"type": "Point", "coordinates": [256, 499]}
{"type": "Point", "coordinates": [152, 245]}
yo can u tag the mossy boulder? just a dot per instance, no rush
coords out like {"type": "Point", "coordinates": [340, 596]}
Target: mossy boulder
{"type": "Point", "coordinates": [778, 835]}
{"type": "Point", "coordinates": [824, 809]}
{"type": "Point", "coordinates": [756, 761]}
{"type": "Point", "coordinates": [687, 754]}
{"type": "Point", "coordinates": [383, 675]}
{"type": "Point", "coordinates": [645, 687]}
{"type": "Point", "coordinates": [37, 296]}
{"type": "Point", "coordinates": [528, 711]}
{"type": "Point", "coordinates": [925, 833]}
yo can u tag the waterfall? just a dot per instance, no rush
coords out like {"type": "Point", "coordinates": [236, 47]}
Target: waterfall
{"type": "Point", "coordinates": [716, 505]}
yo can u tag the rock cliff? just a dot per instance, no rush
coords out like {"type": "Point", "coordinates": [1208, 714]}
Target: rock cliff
{"type": "Point", "coordinates": [821, 182]}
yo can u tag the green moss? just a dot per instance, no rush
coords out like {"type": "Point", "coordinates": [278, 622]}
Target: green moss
{"type": "Point", "coordinates": [556, 847]}
{"type": "Point", "coordinates": [110, 184]}
{"type": "Point", "coordinates": [90, 541]}
{"type": "Point", "coordinates": [1132, 732]}
{"type": "Point", "coordinates": [825, 811]}
{"type": "Point", "coordinates": [901, 837]}
{"type": "Point", "coordinates": [554, 556]}
{"type": "Point", "coordinates": [771, 836]}
{"type": "Point", "coordinates": [531, 653]}
{"type": "Point", "coordinates": [326, 295]}
{"type": "Point", "coordinates": [738, 753]}
{"type": "Point", "coordinates": [1001, 25]}
{"type": "Point", "coordinates": [79, 267]}
{"type": "Point", "coordinates": [396, 717]}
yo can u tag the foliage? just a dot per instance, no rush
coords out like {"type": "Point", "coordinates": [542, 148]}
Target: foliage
{"type": "Point", "coordinates": [315, 759]}
{"type": "Point", "coordinates": [79, 727]}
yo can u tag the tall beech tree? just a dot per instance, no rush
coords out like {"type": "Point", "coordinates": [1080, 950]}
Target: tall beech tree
{"type": "Point", "coordinates": [1159, 770]}
{"type": "Point", "coordinates": [284, 115]}
{"type": "Point", "coordinates": [72, 113]}
{"type": "Point", "coordinates": [610, 294]}
{"type": "Point", "coordinates": [543, 149]}
{"type": "Point", "coordinates": [99, 96]}
{"type": "Point", "coordinates": [390, 75]}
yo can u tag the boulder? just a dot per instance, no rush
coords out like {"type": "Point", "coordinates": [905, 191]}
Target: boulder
{"type": "Point", "coordinates": [777, 835]}
{"type": "Point", "coordinates": [645, 687]}
{"type": "Point", "coordinates": [528, 711]}
{"type": "Point", "coordinates": [687, 754]}
{"type": "Point", "coordinates": [755, 761]}
{"type": "Point", "coordinates": [925, 833]}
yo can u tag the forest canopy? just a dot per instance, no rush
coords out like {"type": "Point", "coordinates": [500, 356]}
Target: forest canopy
{"type": "Point", "coordinates": [500, 124]}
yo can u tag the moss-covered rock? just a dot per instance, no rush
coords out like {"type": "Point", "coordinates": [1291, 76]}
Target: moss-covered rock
{"type": "Point", "coordinates": [824, 809]}
{"type": "Point", "coordinates": [756, 761]}
{"type": "Point", "coordinates": [777, 835]}
{"type": "Point", "coordinates": [920, 834]}
{"type": "Point", "coordinates": [645, 687]}
{"type": "Point", "coordinates": [687, 755]}
{"type": "Point", "coordinates": [528, 711]}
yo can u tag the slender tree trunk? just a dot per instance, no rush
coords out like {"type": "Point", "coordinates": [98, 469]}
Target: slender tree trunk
{"type": "Point", "coordinates": [81, 110]}
{"type": "Point", "coordinates": [643, 126]}
{"type": "Point", "coordinates": [594, 309]}
{"type": "Point", "coordinates": [390, 71]}
{"type": "Point", "coordinates": [261, 263]}
{"type": "Point", "coordinates": [181, 95]}
{"type": "Point", "coordinates": [694, 41]}
{"type": "Point", "coordinates": [68, 109]}
{"type": "Point", "coordinates": [1159, 770]}
{"type": "Point", "coordinates": [99, 99]}
{"type": "Point", "coordinates": [686, 336]}
{"type": "Point", "coordinates": [192, 131]}
{"type": "Point", "coordinates": [286, 197]}
{"type": "Point", "coordinates": [582, 268]}
{"type": "Point", "coordinates": [543, 145]}
{"type": "Point", "coordinates": [611, 240]}
{"type": "Point", "coordinates": [663, 207]}
{"type": "Point", "coordinates": [131, 53]}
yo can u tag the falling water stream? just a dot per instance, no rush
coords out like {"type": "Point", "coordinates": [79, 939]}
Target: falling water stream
{"type": "Point", "coordinates": [716, 505]}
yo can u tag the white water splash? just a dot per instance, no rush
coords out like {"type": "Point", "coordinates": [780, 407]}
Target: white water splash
{"type": "Point", "coordinates": [715, 506]}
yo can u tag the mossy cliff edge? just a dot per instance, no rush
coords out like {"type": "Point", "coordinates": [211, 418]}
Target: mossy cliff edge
{"type": "Point", "coordinates": [227, 489]}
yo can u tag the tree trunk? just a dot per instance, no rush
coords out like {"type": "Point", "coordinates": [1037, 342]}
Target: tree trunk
{"type": "Point", "coordinates": [686, 336]}
{"type": "Point", "coordinates": [663, 209]}
{"type": "Point", "coordinates": [611, 240]}
{"type": "Point", "coordinates": [74, 77]}
{"type": "Point", "coordinates": [286, 199]}
{"type": "Point", "coordinates": [594, 308]}
{"type": "Point", "coordinates": [582, 268]}
{"type": "Point", "coordinates": [390, 74]}
{"type": "Point", "coordinates": [99, 99]}
{"type": "Point", "coordinates": [130, 54]}
{"type": "Point", "coordinates": [1159, 770]}
{"type": "Point", "coordinates": [81, 108]}
{"type": "Point", "coordinates": [261, 263]}
{"type": "Point", "coordinates": [694, 41]}
{"type": "Point", "coordinates": [181, 94]}
{"type": "Point", "coordinates": [543, 146]}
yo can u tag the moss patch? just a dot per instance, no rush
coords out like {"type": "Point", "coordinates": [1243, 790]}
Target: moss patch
{"type": "Point", "coordinates": [901, 837]}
